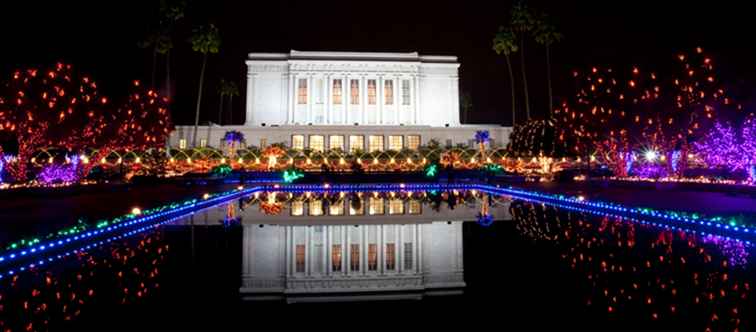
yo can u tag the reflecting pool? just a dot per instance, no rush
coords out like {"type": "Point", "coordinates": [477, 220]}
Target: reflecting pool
{"type": "Point", "coordinates": [431, 255]}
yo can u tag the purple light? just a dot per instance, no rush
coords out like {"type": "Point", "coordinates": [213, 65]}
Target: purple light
{"type": "Point", "coordinates": [233, 136]}
{"type": "Point", "coordinates": [54, 173]}
{"type": "Point", "coordinates": [482, 136]}
{"type": "Point", "coordinates": [720, 148]}
{"type": "Point", "coordinates": [650, 171]}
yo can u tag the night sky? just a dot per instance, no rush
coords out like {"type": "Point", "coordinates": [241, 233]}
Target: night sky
{"type": "Point", "coordinates": [100, 38]}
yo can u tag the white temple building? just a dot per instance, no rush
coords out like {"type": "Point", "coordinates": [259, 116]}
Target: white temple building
{"type": "Point", "coordinates": [349, 100]}
{"type": "Point", "coordinates": [387, 249]}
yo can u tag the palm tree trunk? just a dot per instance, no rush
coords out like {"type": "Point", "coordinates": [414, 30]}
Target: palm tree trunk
{"type": "Point", "coordinates": [154, 67]}
{"type": "Point", "coordinates": [548, 79]}
{"type": "Point", "coordinates": [231, 111]}
{"type": "Point", "coordinates": [220, 110]}
{"type": "Point", "coordinates": [199, 100]}
{"type": "Point", "coordinates": [524, 78]}
{"type": "Point", "coordinates": [512, 86]}
{"type": "Point", "coordinates": [168, 74]}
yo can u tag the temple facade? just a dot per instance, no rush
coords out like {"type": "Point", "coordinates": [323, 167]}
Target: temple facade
{"type": "Point", "coordinates": [349, 100]}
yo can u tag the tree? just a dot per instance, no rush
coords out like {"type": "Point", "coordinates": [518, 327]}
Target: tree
{"type": "Point", "coordinates": [55, 108]}
{"type": "Point", "coordinates": [205, 40]}
{"type": "Point", "coordinates": [522, 22]}
{"type": "Point", "coordinates": [170, 13]}
{"type": "Point", "coordinates": [545, 34]}
{"type": "Point", "coordinates": [719, 147]}
{"type": "Point", "coordinates": [466, 104]}
{"type": "Point", "coordinates": [505, 42]}
{"type": "Point", "coordinates": [642, 110]}
{"type": "Point", "coordinates": [226, 89]}
{"type": "Point", "coordinates": [160, 39]}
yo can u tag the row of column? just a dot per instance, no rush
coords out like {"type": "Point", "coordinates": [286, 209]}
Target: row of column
{"type": "Point", "coordinates": [344, 235]}
{"type": "Point", "coordinates": [346, 101]}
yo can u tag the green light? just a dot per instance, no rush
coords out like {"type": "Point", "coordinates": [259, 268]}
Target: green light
{"type": "Point", "coordinates": [431, 170]}
{"type": "Point", "coordinates": [290, 176]}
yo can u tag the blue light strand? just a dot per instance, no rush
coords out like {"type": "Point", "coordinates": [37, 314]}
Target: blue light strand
{"type": "Point", "coordinates": [193, 205]}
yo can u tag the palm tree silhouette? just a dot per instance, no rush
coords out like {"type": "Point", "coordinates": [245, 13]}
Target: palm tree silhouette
{"type": "Point", "coordinates": [205, 39]}
{"type": "Point", "coordinates": [505, 43]}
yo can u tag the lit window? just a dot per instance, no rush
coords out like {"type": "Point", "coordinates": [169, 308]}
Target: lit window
{"type": "Point", "coordinates": [354, 256]}
{"type": "Point", "coordinates": [355, 92]}
{"type": "Point", "coordinates": [413, 141]}
{"type": "Point", "coordinates": [375, 143]}
{"type": "Point", "coordinates": [336, 142]}
{"type": "Point", "coordinates": [336, 257]}
{"type": "Point", "coordinates": [203, 143]}
{"type": "Point", "coordinates": [388, 92]}
{"type": "Point", "coordinates": [406, 100]}
{"type": "Point", "coordinates": [355, 207]}
{"type": "Point", "coordinates": [317, 143]}
{"type": "Point", "coordinates": [376, 205]}
{"type": "Point", "coordinates": [371, 92]}
{"type": "Point", "coordinates": [390, 256]}
{"type": "Point", "coordinates": [356, 142]}
{"type": "Point", "coordinates": [408, 255]}
{"type": "Point", "coordinates": [297, 208]}
{"type": "Point", "coordinates": [415, 207]}
{"type": "Point", "coordinates": [396, 206]}
{"type": "Point", "coordinates": [372, 257]}
{"type": "Point", "coordinates": [336, 209]}
{"type": "Point", "coordinates": [302, 91]}
{"type": "Point", "coordinates": [336, 92]}
{"type": "Point", "coordinates": [300, 254]}
{"type": "Point", "coordinates": [316, 207]}
{"type": "Point", "coordinates": [182, 143]}
{"type": "Point", "coordinates": [396, 142]}
{"type": "Point", "coordinates": [297, 142]}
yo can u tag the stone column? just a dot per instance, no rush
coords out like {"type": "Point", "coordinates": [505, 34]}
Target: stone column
{"type": "Point", "coordinates": [329, 99]}
{"type": "Point", "coordinates": [344, 250]}
{"type": "Point", "coordinates": [419, 249]}
{"type": "Point", "coordinates": [348, 251]}
{"type": "Point", "coordinates": [347, 98]}
{"type": "Point", "coordinates": [328, 258]}
{"type": "Point", "coordinates": [416, 86]}
{"type": "Point", "coordinates": [363, 249]}
{"type": "Point", "coordinates": [381, 248]}
{"type": "Point", "coordinates": [326, 99]}
{"type": "Point", "coordinates": [396, 101]}
{"type": "Point", "coordinates": [400, 247]}
{"type": "Point", "coordinates": [309, 98]}
{"type": "Point", "coordinates": [380, 99]}
{"type": "Point", "coordinates": [292, 251]}
{"type": "Point", "coordinates": [308, 250]}
{"type": "Point", "coordinates": [291, 98]}
{"type": "Point", "coordinates": [363, 99]}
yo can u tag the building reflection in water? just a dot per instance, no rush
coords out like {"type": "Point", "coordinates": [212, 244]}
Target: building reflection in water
{"type": "Point", "coordinates": [314, 247]}
{"type": "Point", "coordinates": [646, 272]}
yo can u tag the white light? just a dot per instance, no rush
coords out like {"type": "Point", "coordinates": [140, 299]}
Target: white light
{"type": "Point", "coordinates": [136, 211]}
{"type": "Point", "coordinates": [650, 155]}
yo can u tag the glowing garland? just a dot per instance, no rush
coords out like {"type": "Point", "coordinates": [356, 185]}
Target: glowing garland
{"type": "Point", "coordinates": [28, 248]}
{"type": "Point", "coordinates": [38, 251]}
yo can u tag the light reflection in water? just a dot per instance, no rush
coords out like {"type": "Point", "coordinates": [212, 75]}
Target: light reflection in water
{"type": "Point", "coordinates": [639, 270]}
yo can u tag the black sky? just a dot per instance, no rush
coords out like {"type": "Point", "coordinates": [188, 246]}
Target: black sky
{"type": "Point", "coordinates": [100, 38]}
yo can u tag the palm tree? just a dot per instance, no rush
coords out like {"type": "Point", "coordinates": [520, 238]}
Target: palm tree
{"type": "Point", "coordinates": [465, 101]}
{"type": "Point", "coordinates": [545, 34]}
{"type": "Point", "coordinates": [226, 89]}
{"type": "Point", "coordinates": [170, 13]}
{"type": "Point", "coordinates": [205, 39]}
{"type": "Point", "coordinates": [151, 41]}
{"type": "Point", "coordinates": [522, 21]}
{"type": "Point", "coordinates": [505, 43]}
